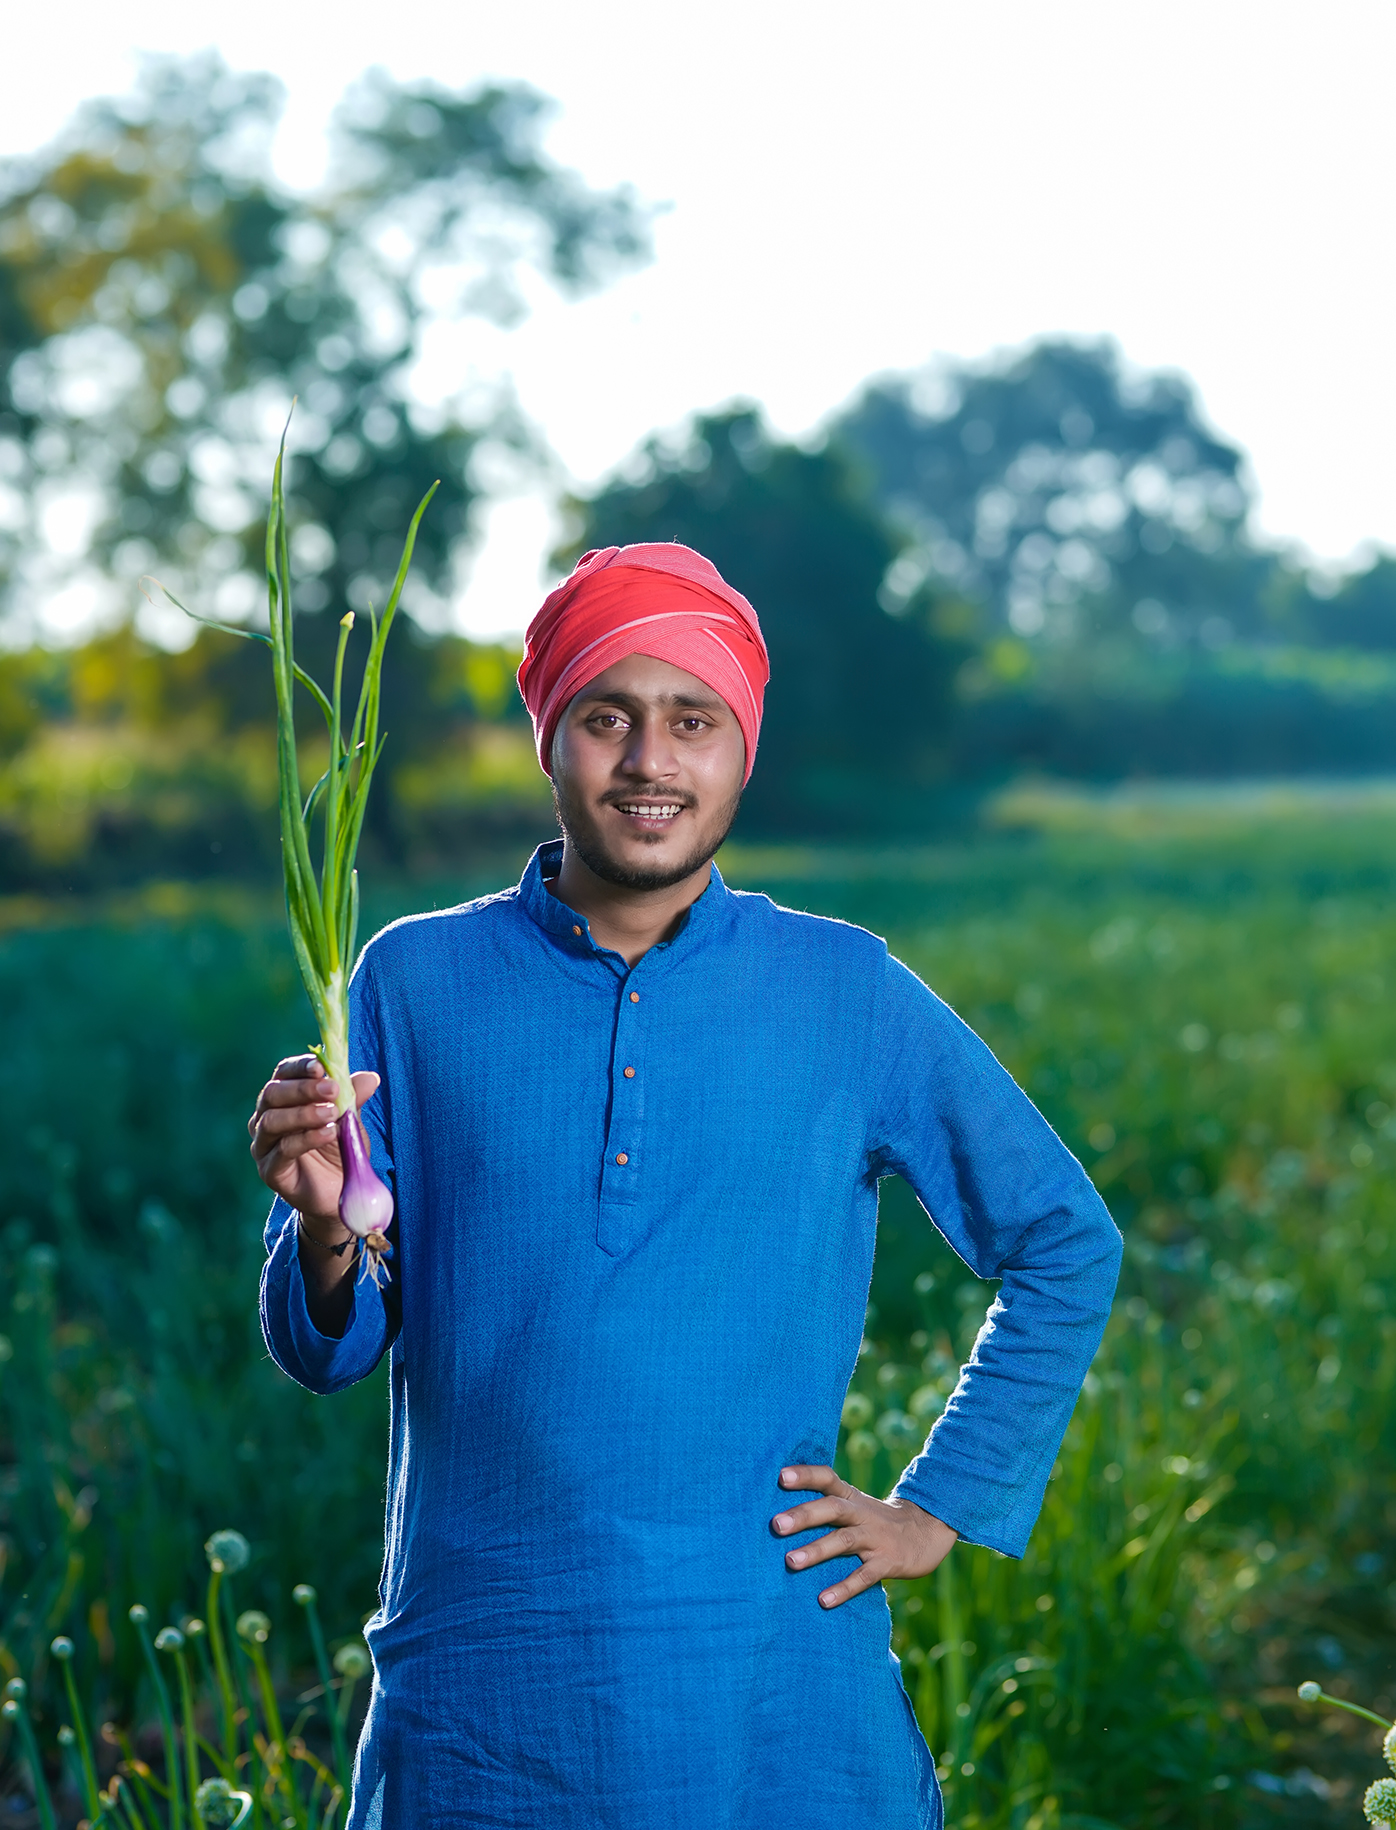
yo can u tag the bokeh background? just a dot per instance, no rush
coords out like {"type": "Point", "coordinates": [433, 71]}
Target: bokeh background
{"type": "Point", "coordinates": [1031, 375]}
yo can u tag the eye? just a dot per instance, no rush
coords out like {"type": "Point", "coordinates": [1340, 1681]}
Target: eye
{"type": "Point", "coordinates": [607, 721]}
{"type": "Point", "coordinates": [694, 723]}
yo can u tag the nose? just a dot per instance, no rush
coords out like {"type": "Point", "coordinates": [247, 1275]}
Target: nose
{"type": "Point", "coordinates": [650, 755]}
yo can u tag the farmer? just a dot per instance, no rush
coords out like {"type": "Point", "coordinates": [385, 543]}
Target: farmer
{"type": "Point", "coordinates": [634, 1123]}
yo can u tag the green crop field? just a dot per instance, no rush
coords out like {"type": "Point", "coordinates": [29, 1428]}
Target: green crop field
{"type": "Point", "coordinates": [1197, 993]}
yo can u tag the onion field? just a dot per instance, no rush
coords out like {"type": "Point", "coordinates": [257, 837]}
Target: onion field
{"type": "Point", "coordinates": [1198, 995]}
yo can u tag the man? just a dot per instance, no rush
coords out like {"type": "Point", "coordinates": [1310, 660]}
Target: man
{"type": "Point", "coordinates": [634, 1124]}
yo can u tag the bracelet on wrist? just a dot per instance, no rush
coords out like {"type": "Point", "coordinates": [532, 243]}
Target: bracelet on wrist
{"type": "Point", "coordinates": [335, 1251]}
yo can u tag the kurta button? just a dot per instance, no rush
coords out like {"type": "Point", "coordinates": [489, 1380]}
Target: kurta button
{"type": "Point", "coordinates": [622, 1159]}
{"type": "Point", "coordinates": [630, 1073]}
{"type": "Point", "coordinates": [634, 997]}
{"type": "Point", "coordinates": [576, 930]}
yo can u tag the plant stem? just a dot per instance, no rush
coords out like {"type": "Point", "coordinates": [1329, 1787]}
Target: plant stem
{"type": "Point", "coordinates": [1353, 1709]}
{"type": "Point", "coordinates": [952, 1634]}
{"type": "Point", "coordinates": [330, 870]}
{"type": "Point", "coordinates": [91, 1789]}
{"type": "Point", "coordinates": [191, 1744]}
{"type": "Point", "coordinates": [124, 1802]}
{"type": "Point", "coordinates": [322, 1663]}
{"type": "Point", "coordinates": [167, 1727]}
{"type": "Point", "coordinates": [220, 1664]}
{"type": "Point", "coordinates": [345, 1704]}
{"type": "Point", "coordinates": [16, 1712]}
{"type": "Point", "coordinates": [278, 1761]}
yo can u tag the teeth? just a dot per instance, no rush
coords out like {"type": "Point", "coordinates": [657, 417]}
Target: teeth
{"type": "Point", "coordinates": [650, 813]}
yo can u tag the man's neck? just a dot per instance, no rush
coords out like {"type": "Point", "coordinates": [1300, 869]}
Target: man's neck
{"type": "Point", "coordinates": [626, 921]}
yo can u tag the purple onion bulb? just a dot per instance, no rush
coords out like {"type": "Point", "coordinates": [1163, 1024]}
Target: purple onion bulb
{"type": "Point", "coordinates": [365, 1204]}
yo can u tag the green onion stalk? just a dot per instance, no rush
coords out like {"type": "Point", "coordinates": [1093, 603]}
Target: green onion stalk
{"type": "Point", "coordinates": [62, 1649]}
{"type": "Point", "coordinates": [1379, 1800]}
{"type": "Point", "coordinates": [305, 1597]}
{"type": "Point", "coordinates": [323, 912]}
{"type": "Point", "coordinates": [15, 1710]}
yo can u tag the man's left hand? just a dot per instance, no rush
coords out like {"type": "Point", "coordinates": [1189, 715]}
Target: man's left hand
{"type": "Point", "coordinates": [892, 1537]}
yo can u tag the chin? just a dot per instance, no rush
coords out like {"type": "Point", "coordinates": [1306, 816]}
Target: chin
{"type": "Point", "coordinates": [645, 862]}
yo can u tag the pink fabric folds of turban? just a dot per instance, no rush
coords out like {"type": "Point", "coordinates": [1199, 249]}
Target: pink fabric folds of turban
{"type": "Point", "coordinates": [661, 600]}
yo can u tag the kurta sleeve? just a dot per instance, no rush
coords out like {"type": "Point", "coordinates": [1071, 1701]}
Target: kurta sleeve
{"type": "Point", "coordinates": [1013, 1202]}
{"type": "Point", "coordinates": [327, 1363]}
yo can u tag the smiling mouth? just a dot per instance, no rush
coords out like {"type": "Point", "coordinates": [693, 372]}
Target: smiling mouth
{"type": "Point", "coordinates": [649, 810]}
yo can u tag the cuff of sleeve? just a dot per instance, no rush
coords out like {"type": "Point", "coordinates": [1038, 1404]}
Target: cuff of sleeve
{"type": "Point", "coordinates": [320, 1362]}
{"type": "Point", "coordinates": [999, 1514]}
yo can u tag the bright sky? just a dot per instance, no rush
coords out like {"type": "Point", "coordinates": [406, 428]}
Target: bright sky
{"type": "Point", "coordinates": [856, 188]}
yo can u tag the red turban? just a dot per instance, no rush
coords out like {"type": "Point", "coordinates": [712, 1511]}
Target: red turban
{"type": "Point", "coordinates": [665, 601]}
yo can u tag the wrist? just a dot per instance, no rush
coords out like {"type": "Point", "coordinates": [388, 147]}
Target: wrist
{"type": "Point", "coordinates": [327, 1231]}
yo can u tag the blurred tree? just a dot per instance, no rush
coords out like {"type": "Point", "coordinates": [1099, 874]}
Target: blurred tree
{"type": "Point", "coordinates": [1073, 499]}
{"type": "Point", "coordinates": [859, 713]}
{"type": "Point", "coordinates": [121, 761]}
{"type": "Point", "coordinates": [1361, 611]}
{"type": "Point", "coordinates": [162, 297]}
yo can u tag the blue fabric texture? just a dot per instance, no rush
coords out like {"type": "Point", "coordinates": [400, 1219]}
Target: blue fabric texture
{"type": "Point", "coordinates": [620, 1305]}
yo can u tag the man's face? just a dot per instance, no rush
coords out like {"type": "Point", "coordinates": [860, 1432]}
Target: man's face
{"type": "Point", "coordinates": [647, 772]}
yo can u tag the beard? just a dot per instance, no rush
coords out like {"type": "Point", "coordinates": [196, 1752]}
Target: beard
{"type": "Point", "coordinates": [585, 834]}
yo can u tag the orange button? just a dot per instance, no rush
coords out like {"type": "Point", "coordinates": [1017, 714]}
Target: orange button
{"type": "Point", "coordinates": [576, 930]}
{"type": "Point", "coordinates": [630, 1073]}
{"type": "Point", "coordinates": [622, 1159]}
{"type": "Point", "coordinates": [634, 997]}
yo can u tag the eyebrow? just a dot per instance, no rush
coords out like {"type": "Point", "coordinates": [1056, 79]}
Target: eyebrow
{"type": "Point", "coordinates": [670, 701]}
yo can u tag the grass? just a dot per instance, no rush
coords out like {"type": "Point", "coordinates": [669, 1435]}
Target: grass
{"type": "Point", "coordinates": [1198, 1000]}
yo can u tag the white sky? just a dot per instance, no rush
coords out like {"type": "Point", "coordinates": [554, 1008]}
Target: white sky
{"type": "Point", "coordinates": [855, 188]}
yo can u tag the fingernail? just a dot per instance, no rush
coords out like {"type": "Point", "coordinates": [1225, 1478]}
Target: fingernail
{"type": "Point", "coordinates": [826, 1601]}
{"type": "Point", "coordinates": [783, 1522]}
{"type": "Point", "coordinates": [795, 1558]}
{"type": "Point", "coordinates": [787, 1474]}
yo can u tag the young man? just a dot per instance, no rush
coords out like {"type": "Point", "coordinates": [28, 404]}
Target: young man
{"type": "Point", "coordinates": [634, 1124]}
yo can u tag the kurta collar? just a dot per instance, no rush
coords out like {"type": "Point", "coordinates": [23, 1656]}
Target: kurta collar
{"type": "Point", "coordinates": [562, 923]}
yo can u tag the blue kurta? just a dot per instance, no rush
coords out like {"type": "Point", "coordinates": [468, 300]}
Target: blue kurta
{"type": "Point", "coordinates": [621, 1304]}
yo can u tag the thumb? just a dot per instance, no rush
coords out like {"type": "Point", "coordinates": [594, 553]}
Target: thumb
{"type": "Point", "coordinates": [365, 1086]}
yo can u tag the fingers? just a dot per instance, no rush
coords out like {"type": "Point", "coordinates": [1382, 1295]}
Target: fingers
{"type": "Point", "coordinates": [847, 1541]}
{"type": "Point", "coordinates": [854, 1536]}
{"type": "Point", "coordinates": [289, 1095]}
{"type": "Point", "coordinates": [812, 1513]}
{"type": "Point", "coordinates": [268, 1152]}
{"type": "Point", "coordinates": [295, 1092]}
{"type": "Point", "coordinates": [294, 1129]}
{"type": "Point", "coordinates": [291, 1090]}
{"type": "Point", "coordinates": [866, 1576]}
{"type": "Point", "coordinates": [279, 1121]}
{"type": "Point", "coordinates": [888, 1537]}
{"type": "Point", "coordinates": [803, 1478]}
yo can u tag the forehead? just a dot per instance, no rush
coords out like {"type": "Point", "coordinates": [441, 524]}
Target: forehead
{"type": "Point", "coordinates": [642, 677]}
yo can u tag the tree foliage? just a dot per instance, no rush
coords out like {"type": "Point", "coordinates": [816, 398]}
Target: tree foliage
{"type": "Point", "coordinates": [1090, 509]}
{"type": "Point", "coordinates": [1067, 495]}
{"type": "Point", "coordinates": [1361, 611]}
{"type": "Point", "coordinates": [162, 297]}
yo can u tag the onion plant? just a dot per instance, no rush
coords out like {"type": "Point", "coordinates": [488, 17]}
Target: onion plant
{"type": "Point", "coordinates": [230, 1758]}
{"type": "Point", "coordinates": [323, 911]}
{"type": "Point", "coordinates": [1379, 1800]}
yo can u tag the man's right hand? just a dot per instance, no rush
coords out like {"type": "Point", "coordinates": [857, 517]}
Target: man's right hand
{"type": "Point", "coordinates": [294, 1144]}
